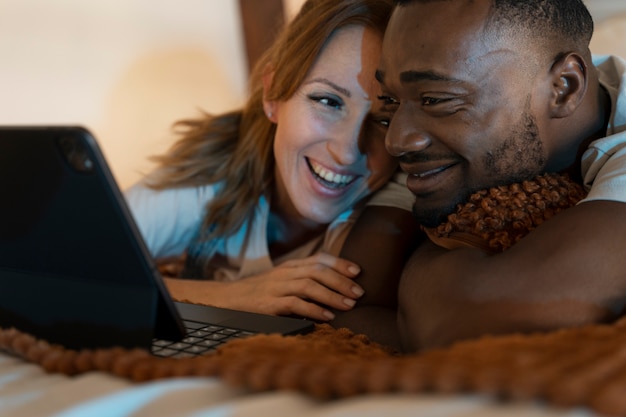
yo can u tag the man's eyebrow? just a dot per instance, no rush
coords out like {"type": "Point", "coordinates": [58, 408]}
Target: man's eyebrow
{"type": "Point", "coordinates": [408, 77]}
{"type": "Point", "coordinates": [331, 85]}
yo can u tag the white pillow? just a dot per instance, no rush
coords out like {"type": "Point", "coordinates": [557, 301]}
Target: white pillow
{"type": "Point", "coordinates": [609, 37]}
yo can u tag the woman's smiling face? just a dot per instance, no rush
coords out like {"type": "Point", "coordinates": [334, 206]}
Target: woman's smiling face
{"type": "Point", "coordinates": [330, 137]}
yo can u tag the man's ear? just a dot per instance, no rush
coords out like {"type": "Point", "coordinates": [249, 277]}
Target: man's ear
{"type": "Point", "coordinates": [569, 84]}
{"type": "Point", "coordinates": [269, 106]}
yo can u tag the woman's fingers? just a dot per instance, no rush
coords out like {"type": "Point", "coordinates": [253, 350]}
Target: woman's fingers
{"type": "Point", "coordinates": [312, 289]}
{"type": "Point", "coordinates": [307, 287]}
{"type": "Point", "coordinates": [334, 273]}
{"type": "Point", "coordinates": [276, 294]}
{"type": "Point", "coordinates": [343, 266]}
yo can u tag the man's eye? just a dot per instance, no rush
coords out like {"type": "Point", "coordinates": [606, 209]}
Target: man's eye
{"type": "Point", "coordinates": [388, 100]}
{"type": "Point", "coordinates": [431, 101]}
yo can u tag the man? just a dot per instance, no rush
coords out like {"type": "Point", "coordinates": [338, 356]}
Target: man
{"type": "Point", "coordinates": [487, 93]}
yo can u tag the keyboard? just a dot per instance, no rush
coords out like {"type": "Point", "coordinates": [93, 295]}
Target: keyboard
{"type": "Point", "coordinates": [201, 339]}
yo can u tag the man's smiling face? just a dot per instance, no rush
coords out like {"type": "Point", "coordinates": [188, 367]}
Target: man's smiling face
{"type": "Point", "coordinates": [463, 104]}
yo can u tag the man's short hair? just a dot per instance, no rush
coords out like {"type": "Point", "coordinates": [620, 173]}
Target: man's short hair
{"type": "Point", "coordinates": [568, 20]}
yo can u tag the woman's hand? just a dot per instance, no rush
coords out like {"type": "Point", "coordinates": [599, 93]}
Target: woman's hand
{"type": "Point", "coordinates": [306, 287]}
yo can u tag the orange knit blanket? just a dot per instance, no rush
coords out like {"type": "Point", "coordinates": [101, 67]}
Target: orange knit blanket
{"type": "Point", "coordinates": [583, 366]}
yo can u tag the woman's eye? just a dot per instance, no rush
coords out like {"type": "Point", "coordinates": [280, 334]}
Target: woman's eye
{"type": "Point", "coordinates": [328, 101]}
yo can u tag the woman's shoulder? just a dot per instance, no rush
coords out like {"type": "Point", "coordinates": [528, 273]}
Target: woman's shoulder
{"type": "Point", "coordinates": [141, 192]}
{"type": "Point", "coordinates": [168, 218]}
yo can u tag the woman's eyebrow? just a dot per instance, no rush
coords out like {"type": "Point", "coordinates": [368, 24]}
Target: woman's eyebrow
{"type": "Point", "coordinates": [330, 84]}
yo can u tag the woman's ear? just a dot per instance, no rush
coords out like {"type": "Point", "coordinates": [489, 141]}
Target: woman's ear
{"type": "Point", "coordinates": [269, 106]}
{"type": "Point", "coordinates": [569, 84]}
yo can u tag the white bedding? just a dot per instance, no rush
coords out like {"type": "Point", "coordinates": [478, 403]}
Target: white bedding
{"type": "Point", "coordinates": [27, 391]}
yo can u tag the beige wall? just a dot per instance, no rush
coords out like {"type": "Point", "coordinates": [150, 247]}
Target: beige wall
{"type": "Point", "coordinates": [127, 69]}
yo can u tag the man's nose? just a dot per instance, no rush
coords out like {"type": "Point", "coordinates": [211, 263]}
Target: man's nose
{"type": "Point", "coordinates": [406, 134]}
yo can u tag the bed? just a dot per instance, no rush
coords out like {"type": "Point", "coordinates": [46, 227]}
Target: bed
{"type": "Point", "coordinates": [458, 381]}
{"type": "Point", "coordinates": [25, 390]}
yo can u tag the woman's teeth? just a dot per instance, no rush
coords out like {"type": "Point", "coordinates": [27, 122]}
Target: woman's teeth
{"type": "Point", "coordinates": [332, 178]}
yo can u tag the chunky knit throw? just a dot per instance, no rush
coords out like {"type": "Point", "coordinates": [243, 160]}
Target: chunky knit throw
{"type": "Point", "coordinates": [497, 218]}
{"type": "Point", "coordinates": [584, 366]}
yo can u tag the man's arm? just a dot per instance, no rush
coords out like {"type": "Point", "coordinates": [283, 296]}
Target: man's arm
{"type": "Point", "coordinates": [569, 271]}
{"type": "Point", "coordinates": [380, 243]}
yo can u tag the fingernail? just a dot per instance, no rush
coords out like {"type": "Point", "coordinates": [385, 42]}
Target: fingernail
{"type": "Point", "coordinates": [354, 270]}
{"type": "Point", "coordinates": [349, 302]}
{"type": "Point", "coordinates": [328, 315]}
{"type": "Point", "coordinates": [358, 291]}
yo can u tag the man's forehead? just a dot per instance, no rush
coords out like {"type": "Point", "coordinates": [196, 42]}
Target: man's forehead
{"type": "Point", "coordinates": [421, 38]}
{"type": "Point", "coordinates": [439, 18]}
{"type": "Point", "coordinates": [449, 7]}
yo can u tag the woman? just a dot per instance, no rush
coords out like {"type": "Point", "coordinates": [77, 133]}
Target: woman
{"type": "Point", "coordinates": [269, 193]}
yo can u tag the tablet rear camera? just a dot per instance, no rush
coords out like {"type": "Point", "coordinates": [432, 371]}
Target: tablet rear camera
{"type": "Point", "coordinates": [75, 153]}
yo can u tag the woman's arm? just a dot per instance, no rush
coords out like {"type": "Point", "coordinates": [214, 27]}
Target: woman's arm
{"type": "Point", "coordinates": [323, 287]}
{"type": "Point", "coordinates": [305, 287]}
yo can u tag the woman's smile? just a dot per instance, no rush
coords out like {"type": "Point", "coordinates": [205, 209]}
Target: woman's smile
{"type": "Point", "coordinates": [329, 178]}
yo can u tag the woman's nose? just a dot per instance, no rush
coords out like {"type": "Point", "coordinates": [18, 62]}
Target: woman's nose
{"type": "Point", "coordinates": [345, 147]}
{"type": "Point", "coordinates": [406, 134]}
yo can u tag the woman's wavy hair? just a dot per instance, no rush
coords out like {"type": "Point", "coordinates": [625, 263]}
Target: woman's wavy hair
{"type": "Point", "coordinates": [235, 149]}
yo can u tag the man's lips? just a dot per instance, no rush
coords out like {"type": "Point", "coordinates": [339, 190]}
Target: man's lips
{"type": "Point", "coordinates": [426, 179]}
{"type": "Point", "coordinates": [423, 171]}
{"type": "Point", "coordinates": [428, 172]}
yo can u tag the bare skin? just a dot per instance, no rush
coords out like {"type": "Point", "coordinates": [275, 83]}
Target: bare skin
{"type": "Point", "coordinates": [357, 290]}
{"type": "Point", "coordinates": [392, 234]}
{"type": "Point", "coordinates": [461, 125]}
{"type": "Point", "coordinates": [560, 275]}
{"type": "Point", "coordinates": [285, 290]}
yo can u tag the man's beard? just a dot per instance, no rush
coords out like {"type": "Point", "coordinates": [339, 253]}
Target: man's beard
{"type": "Point", "coordinates": [519, 157]}
{"type": "Point", "coordinates": [433, 217]}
